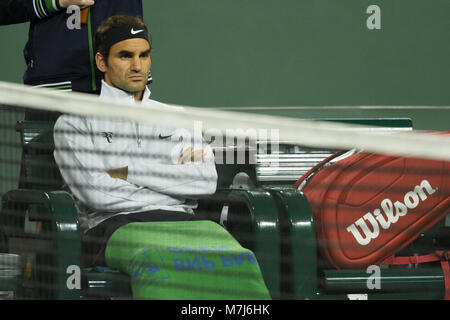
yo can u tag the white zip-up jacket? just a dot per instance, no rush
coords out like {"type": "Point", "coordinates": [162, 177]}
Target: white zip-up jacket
{"type": "Point", "coordinates": [87, 147]}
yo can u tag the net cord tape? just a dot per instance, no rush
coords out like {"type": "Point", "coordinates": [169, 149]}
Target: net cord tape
{"type": "Point", "coordinates": [292, 130]}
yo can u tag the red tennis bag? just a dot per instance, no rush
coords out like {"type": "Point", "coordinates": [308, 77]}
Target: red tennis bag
{"type": "Point", "coordinates": [367, 206]}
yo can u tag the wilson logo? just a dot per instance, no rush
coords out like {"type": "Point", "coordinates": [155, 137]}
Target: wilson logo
{"type": "Point", "coordinates": [392, 213]}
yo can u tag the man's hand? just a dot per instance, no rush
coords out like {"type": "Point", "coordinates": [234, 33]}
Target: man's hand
{"type": "Point", "coordinates": [81, 3]}
{"type": "Point", "coordinates": [120, 173]}
{"type": "Point", "coordinates": [189, 156]}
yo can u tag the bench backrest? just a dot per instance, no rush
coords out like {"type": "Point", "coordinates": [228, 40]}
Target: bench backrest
{"type": "Point", "coordinates": [39, 169]}
{"type": "Point", "coordinates": [289, 162]}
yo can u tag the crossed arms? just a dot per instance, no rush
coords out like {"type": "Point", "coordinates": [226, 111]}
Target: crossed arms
{"type": "Point", "coordinates": [138, 184]}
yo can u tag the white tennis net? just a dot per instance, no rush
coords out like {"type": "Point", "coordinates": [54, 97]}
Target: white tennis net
{"type": "Point", "coordinates": [297, 131]}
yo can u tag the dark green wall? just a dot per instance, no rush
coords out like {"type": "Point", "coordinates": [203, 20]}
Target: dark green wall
{"type": "Point", "coordinates": [12, 41]}
{"type": "Point", "coordinates": [291, 52]}
{"type": "Point", "coordinates": [228, 53]}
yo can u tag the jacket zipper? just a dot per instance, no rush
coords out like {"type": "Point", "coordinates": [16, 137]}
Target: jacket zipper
{"type": "Point", "coordinates": [91, 50]}
{"type": "Point", "coordinates": [138, 136]}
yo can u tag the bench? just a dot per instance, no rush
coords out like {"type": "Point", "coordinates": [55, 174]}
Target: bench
{"type": "Point", "coordinates": [255, 202]}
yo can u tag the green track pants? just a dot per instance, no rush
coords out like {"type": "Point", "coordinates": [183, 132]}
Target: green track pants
{"type": "Point", "coordinates": [185, 260]}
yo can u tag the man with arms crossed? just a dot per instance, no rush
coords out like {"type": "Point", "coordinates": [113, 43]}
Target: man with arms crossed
{"type": "Point", "coordinates": [123, 173]}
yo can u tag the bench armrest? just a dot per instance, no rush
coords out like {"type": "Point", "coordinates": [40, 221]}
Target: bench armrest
{"type": "Point", "coordinates": [251, 216]}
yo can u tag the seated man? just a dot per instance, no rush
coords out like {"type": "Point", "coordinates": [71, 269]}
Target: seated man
{"type": "Point", "coordinates": [136, 203]}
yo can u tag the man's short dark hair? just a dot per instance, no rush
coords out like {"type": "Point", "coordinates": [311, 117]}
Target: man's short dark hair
{"type": "Point", "coordinates": [111, 23]}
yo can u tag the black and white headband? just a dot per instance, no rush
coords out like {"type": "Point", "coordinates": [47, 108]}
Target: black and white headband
{"type": "Point", "coordinates": [132, 31]}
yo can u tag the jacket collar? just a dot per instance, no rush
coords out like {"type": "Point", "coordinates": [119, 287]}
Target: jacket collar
{"type": "Point", "coordinates": [119, 94]}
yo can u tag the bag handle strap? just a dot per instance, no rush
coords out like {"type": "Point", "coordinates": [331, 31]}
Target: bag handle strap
{"type": "Point", "coordinates": [442, 256]}
{"type": "Point", "coordinates": [446, 269]}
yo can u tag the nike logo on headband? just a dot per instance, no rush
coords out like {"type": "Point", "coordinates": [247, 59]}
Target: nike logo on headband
{"type": "Point", "coordinates": [133, 32]}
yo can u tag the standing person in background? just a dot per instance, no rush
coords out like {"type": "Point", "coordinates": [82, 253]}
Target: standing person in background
{"type": "Point", "coordinates": [60, 53]}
